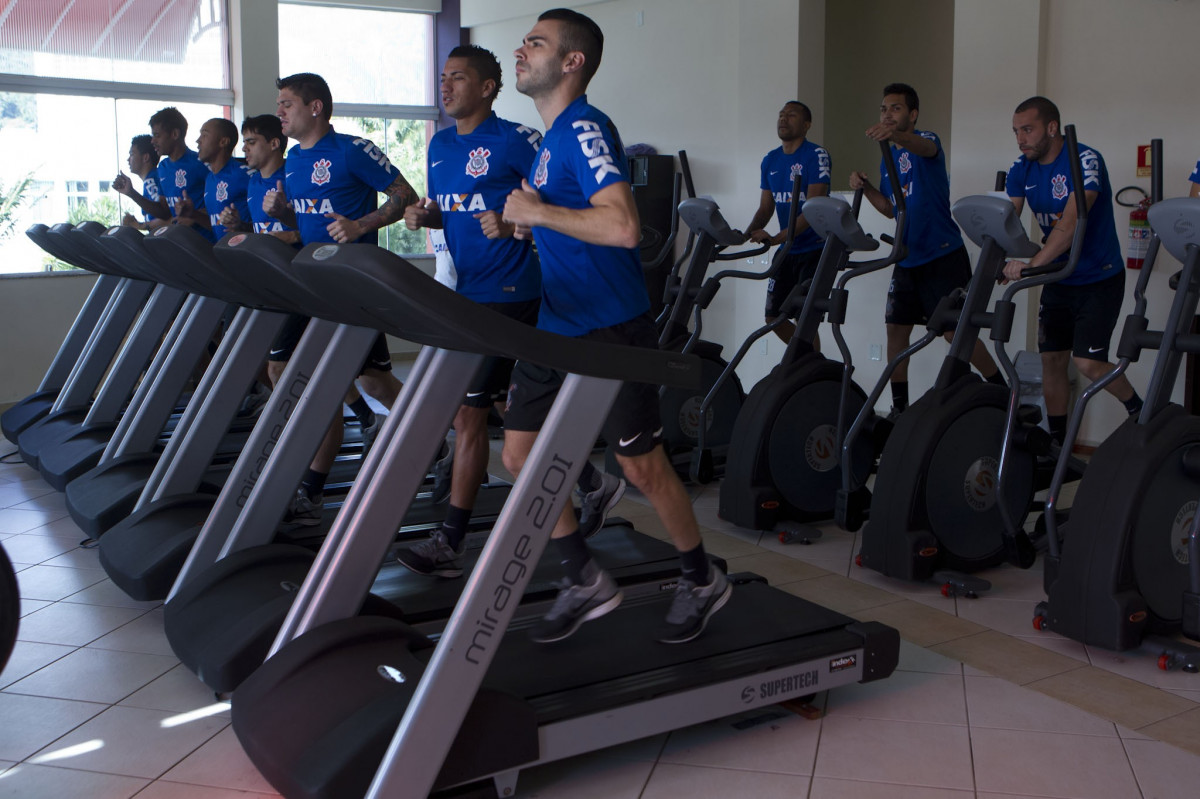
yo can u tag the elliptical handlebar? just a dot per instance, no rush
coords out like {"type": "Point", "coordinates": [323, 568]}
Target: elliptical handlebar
{"type": "Point", "coordinates": [899, 248]}
{"type": "Point", "coordinates": [669, 245]}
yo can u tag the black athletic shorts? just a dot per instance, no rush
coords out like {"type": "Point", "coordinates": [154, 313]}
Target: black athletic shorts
{"type": "Point", "coordinates": [796, 268]}
{"type": "Point", "coordinates": [379, 358]}
{"type": "Point", "coordinates": [491, 381]}
{"type": "Point", "coordinates": [1081, 318]}
{"type": "Point", "coordinates": [916, 290]}
{"type": "Point", "coordinates": [633, 426]}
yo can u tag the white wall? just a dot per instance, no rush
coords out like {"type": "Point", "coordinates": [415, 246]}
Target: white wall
{"type": "Point", "coordinates": [36, 311]}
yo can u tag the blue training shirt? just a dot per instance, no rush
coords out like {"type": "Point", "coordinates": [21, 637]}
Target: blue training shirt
{"type": "Point", "coordinates": [259, 186]}
{"type": "Point", "coordinates": [150, 192]}
{"type": "Point", "coordinates": [812, 163]}
{"type": "Point", "coordinates": [1195, 178]}
{"type": "Point", "coordinates": [1047, 188]}
{"type": "Point", "coordinates": [475, 173]}
{"type": "Point", "coordinates": [931, 231]}
{"type": "Point", "coordinates": [585, 287]}
{"type": "Point", "coordinates": [186, 174]}
{"type": "Point", "coordinates": [225, 188]}
{"type": "Point", "coordinates": [340, 174]}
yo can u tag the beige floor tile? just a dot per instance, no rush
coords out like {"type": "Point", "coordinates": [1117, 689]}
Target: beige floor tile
{"type": "Point", "coordinates": [29, 656]}
{"type": "Point", "coordinates": [1057, 643]}
{"type": "Point", "coordinates": [73, 625]}
{"type": "Point", "coordinates": [1008, 616]}
{"type": "Point", "coordinates": [592, 776]}
{"type": "Point", "coordinates": [78, 559]}
{"type": "Point", "coordinates": [27, 781]}
{"type": "Point", "coordinates": [777, 569]}
{"type": "Point", "coordinates": [1182, 731]}
{"type": "Point", "coordinates": [840, 593]}
{"type": "Point", "coordinates": [133, 742]}
{"type": "Point", "coordinates": [144, 634]}
{"type": "Point", "coordinates": [997, 703]}
{"type": "Point", "coordinates": [727, 546]}
{"type": "Point", "coordinates": [51, 502]}
{"type": "Point", "coordinates": [1009, 582]}
{"type": "Point", "coordinates": [94, 675]}
{"type": "Point", "coordinates": [14, 493]}
{"type": "Point", "coordinates": [23, 548]}
{"type": "Point", "coordinates": [825, 788]}
{"type": "Point", "coordinates": [1142, 665]}
{"type": "Point", "coordinates": [220, 763]}
{"type": "Point", "coordinates": [1163, 771]}
{"type": "Point", "coordinates": [65, 527]}
{"type": "Point", "coordinates": [905, 696]}
{"type": "Point", "coordinates": [178, 691]}
{"type": "Point", "coordinates": [107, 594]}
{"type": "Point", "coordinates": [1006, 657]}
{"type": "Point", "coordinates": [52, 583]}
{"type": "Point", "coordinates": [179, 790]}
{"type": "Point", "coordinates": [920, 624]}
{"type": "Point", "coordinates": [1068, 766]}
{"type": "Point", "coordinates": [1113, 697]}
{"type": "Point", "coordinates": [32, 605]}
{"type": "Point", "coordinates": [769, 739]}
{"type": "Point", "coordinates": [669, 781]}
{"type": "Point", "coordinates": [23, 518]}
{"type": "Point", "coordinates": [901, 752]}
{"type": "Point", "coordinates": [32, 722]}
{"type": "Point", "coordinates": [917, 658]}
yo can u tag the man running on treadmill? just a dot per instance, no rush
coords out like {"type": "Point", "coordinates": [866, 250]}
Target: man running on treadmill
{"type": "Point", "coordinates": [143, 162]}
{"type": "Point", "coordinates": [329, 194]}
{"type": "Point", "coordinates": [578, 206]}
{"type": "Point", "coordinates": [797, 155]}
{"type": "Point", "coordinates": [263, 144]}
{"type": "Point", "coordinates": [179, 173]}
{"type": "Point", "coordinates": [937, 262]}
{"type": "Point", "coordinates": [228, 178]}
{"type": "Point", "coordinates": [1077, 315]}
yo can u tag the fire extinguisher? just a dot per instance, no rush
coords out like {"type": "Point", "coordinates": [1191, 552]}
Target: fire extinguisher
{"type": "Point", "coordinates": [1139, 228]}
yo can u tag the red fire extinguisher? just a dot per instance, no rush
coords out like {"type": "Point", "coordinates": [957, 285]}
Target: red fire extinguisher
{"type": "Point", "coordinates": [1139, 229]}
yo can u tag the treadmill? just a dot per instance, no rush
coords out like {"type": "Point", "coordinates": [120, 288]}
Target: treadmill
{"type": "Point", "coordinates": [353, 706]}
{"type": "Point", "coordinates": [87, 323]}
{"type": "Point", "coordinates": [227, 607]}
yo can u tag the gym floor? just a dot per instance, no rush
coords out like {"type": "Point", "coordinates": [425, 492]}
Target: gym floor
{"type": "Point", "coordinates": [94, 703]}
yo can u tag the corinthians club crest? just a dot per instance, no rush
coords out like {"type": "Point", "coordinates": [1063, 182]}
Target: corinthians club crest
{"type": "Point", "coordinates": [180, 178]}
{"type": "Point", "coordinates": [1058, 186]}
{"type": "Point", "coordinates": [540, 176]}
{"type": "Point", "coordinates": [222, 191]}
{"type": "Point", "coordinates": [477, 163]}
{"type": "Point", "coordinates": [320, 173]}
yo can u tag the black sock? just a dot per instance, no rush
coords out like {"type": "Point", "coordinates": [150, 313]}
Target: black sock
{"type": "Point", "coordinates": [455, 524]}
{"type": "Point", "coordinates": [361, 409]}
{"type": "Point", "coordinates": [573, 551]}
{"type": "Point", "coordinates": [695, 565]}
{"type": "Point", "coordinates": [1058, 427]}
{"type": "Point", "coordinates": [1133, 404]}
{"type": "Point", "coordinates": [997, 378]}
{"type": "Point", "coordinates": [590, 478]}
{"type": "Point", "coordinates": [899, 394]}
{"type": "Point", "coordinates": [313, 483]}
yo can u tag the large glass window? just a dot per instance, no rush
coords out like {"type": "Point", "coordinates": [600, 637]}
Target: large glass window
{"type": "Point", "coordinates": [382, 86]}
{"type": "Point", "coordinates": [78, 80]}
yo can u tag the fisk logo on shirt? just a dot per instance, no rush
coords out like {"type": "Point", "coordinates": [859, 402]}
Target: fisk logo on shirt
{"type": "Point", "coordinates": [320, 175]}
{"type": "Point", "coordinates": [477, 162]}
{"type": "Point", "coordinates": [595, 149]}
{"type": "Point", "coordinates": [374, 153]}
{"type": "Point", "coordinates": [542, 173]}
{"type": "Point", "coordinates": [823, 167]}
{"type": "Point", "coordinates": [461, 202]}
{"type": "Point", "coordinates": [1090, 161]}
{"type": "Point", "coordinates": [222, 191]}
{"type": "Point", "coordinates": [181, 177]}
{"type": "Point", "coordinates": [1058, 187]}
{"type": "Point", "coordinates": [532, 136]}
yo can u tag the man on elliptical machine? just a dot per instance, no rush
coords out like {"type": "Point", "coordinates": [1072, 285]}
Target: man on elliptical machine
{"type": "Point", "coordinates": [937, 262]}
{"type": "Point", "coordinates": [1077, 315]}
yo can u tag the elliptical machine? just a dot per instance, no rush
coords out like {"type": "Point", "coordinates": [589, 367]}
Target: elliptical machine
{"type": "Point", "coordinates": [1126, 562]}
{"type": "Point", "coordinates": [939, 507]}
{"type": "Point", "coordinates": [784, 470]}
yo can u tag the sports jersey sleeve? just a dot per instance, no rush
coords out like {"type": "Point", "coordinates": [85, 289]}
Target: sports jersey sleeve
{"type": "Point", "coordinates": [369, 164]}
{"type": "Point", "coordinates": [1014, 182]}
{"type": "Point", "coordinates": [524, 144]}
{"type": "Point", "coordinates": [599, 159]}
{"type": "Point", "coordinates": [1092, 164]}
{"type": "Point", "coordinates": [762, 168]}
{"type": "Point", "coordinates": [1195, 178]}
{"type": "Point", "coordinates": [821, 166]}
{"type": "Point", "coordinates": [933, 137]}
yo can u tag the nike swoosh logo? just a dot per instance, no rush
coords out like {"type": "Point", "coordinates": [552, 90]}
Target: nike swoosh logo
{"type": "Point", "coordinates": [1094, 350]}
{"type": "Point", "coordinates": [1031, 188]}
{"type": "Point", "coordinates": [625, 442]}
{"type": "Point", "coordinates": [776, 172]}
{"type": "Point", "coordinates": [275, 352]}
{"type": "Point", "coordinates": [435, 163]}
{"type": "Point", "coordinates": [474, 394]}
{"type": "Point", "coordinates": [288, 175]}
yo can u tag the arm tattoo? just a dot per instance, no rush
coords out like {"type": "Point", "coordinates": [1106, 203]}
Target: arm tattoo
{"type": "Point", "coordinates": [400, 196]}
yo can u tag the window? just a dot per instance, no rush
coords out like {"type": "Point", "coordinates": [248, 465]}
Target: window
{"type": "Point", "coordinates": [382, 87]}
{"type": "Point", "coordinates": [78, 80]}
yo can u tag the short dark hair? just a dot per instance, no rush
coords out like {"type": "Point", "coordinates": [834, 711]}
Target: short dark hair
{"type": "Point", "coordinates": [143, 144]}
{"type": "Point", "coordinates": [484, 62]}
{"type": "Point", "coordinates": [910, 94]}
{"type": "Point", "coordinates": [266, 125]}
{"type": "Point", "coordinates": [805, 109]}
{"type": "Point", "coordinates": [579, 33]}
{"type": "Point", "coordinates": [1046, 110]}
{"type": "Point", "coordinates": [226, 130]}
{"type": "Point", "coordinates": [170, 119]}
{"type": "Point", "coordinates": [308, 87]}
